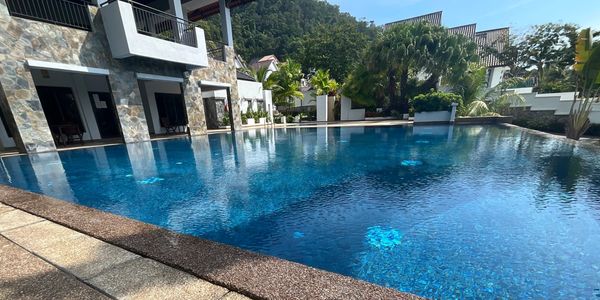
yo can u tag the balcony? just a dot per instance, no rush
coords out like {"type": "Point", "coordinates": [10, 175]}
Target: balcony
{"type": "Point", "coordinates": [70, 13]}
{"type": "Point", "coordinates": [134, 29]}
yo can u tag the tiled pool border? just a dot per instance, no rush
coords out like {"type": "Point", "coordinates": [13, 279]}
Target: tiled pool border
{"type": "Point", "coordinates": [254, 275]}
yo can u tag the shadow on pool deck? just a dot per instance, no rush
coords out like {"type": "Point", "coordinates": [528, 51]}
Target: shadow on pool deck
{"type": "Point", "coordinates": [254, 275]}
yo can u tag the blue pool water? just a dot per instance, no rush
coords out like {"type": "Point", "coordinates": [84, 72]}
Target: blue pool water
{"type": "Point", "coordinates": [442, 212]}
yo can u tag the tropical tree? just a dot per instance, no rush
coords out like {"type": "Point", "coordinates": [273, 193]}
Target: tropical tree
{"type": "Point", "coordinates": [285, 83]}
{"type": "Point", "coordinates": [450, 58]}
{"type": "Point", "coordinates": [418, 48]}
{"type": "Point", "coordinates": [587, 68]}
{"type": "Point", "coordinates": [495, 101]}
{"type": "Point", "coordinates": [323, 84]}
{"type": "Point", "coordinates": [261, 75]}
{"type": "Point", "coordinates": [471, 83]}
{"type": "Point", "coordinates": [546, 49]}
{"type": "Point", "coordinates": [335, 47]}
{"type": "Point", "coordinates": [365, 87]}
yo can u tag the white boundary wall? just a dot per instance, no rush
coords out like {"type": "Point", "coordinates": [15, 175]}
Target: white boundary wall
{"type": "Point", "coordinates": [322, 108]}
{"type": "Point", "coordinates": [560, 103]}
{"type": "Point", "coordinates": [349, 114]}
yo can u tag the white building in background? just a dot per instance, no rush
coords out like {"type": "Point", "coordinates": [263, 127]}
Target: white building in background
{"type": "Point", "coordinates": [270, 62]}
{"type": "Point", "coordinates": [493, 38]}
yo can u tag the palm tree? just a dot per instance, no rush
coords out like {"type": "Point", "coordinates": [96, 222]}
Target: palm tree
{"type": "Point", "coordinates": [285, 83]}
{"type": "Point", "coordinates": [323, 84]}
{"type": "Point", "coordinates": [494, 101]}
{"type": "Point", "coordinates": [472, 84]}
{"type": "Point", "coordinates": [261, 75]}
{"type": "Point", "coordinates": [407, 49]}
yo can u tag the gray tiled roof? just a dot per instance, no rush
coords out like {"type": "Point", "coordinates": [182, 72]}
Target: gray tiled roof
{"type": "Point", "coordinates": [495, 38]}
{"type": "Point", "coordinates": [466, 30]}
{"type": "Point", "coordinates": [433, 18]}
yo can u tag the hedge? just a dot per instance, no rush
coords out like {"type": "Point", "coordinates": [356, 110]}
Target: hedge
{"type": "Point", "coordinates": [435, 101]}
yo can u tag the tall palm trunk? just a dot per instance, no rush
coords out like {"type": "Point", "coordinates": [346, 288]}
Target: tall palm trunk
{"type": "Point", "coordinates": [393, 94]}
{"type": "Point", "coordinates": [403, 99]}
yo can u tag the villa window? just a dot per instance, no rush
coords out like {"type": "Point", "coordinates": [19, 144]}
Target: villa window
{"type": "Point", "coordinates": [70, 13]}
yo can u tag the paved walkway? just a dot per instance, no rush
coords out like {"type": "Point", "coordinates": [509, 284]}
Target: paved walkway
{"type": "Point", "coordinates": [40, 259]}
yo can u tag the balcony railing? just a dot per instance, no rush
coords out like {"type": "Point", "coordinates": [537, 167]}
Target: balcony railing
{"type": "Point", "coordinates": [153, 22]}
{"type": "Point", "coordinates": [215, 50]}
{"type": "Point", "coordinates": [71, 13]}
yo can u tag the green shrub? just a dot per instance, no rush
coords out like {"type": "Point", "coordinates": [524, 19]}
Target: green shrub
{"type": "Point", "coordinates": [435, 101]}
{"type": "Point", "coordinates": [225, 121]}
{"type": "Point", "coordinates": [244, 119]}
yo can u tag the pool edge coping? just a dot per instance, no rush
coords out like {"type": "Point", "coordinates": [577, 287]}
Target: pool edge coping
{"type": "Point", "coordinates": [252, 274]}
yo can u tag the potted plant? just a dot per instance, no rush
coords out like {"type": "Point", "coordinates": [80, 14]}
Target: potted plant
{"type": "Point", "coordinates": [262, 117]}
{"type": "Point", "coordinates": [435, 107]}
{"type": "Point", "coordinates": [251, 118]}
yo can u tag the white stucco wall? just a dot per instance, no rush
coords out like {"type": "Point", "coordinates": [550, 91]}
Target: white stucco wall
{"type": "Point", "coordinates": [349, 114]}
{"type": "Point", "coordinates": [433, 116]}
{"type": "Point", "coordinates": [560, 103]}
{"type": "Point", "coordinates": [496, 75]}
{"type": "Point", "coordinates": [322, 108]}
{"type": "Point", "coordinates": [125, 41]}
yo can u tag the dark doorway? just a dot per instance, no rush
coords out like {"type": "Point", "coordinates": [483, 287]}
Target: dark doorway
{"type": "Point", "coordinates": [62, 114]}
{"type": "Point", "coordinates": [171, 112]}
{"type": "Point", "coordinates": [106, 116]}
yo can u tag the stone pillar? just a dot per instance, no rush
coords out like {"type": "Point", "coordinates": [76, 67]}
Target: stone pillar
{"type": "Point", "coordinates": [25, 115]}
{"type": "Point", "coordinates": [130, 109]}
{"type": "Point", "coordinates": [235, 111]}
{"type": "Point", "coordinates": [226, 23]}
{"type": "Point", "coordinates": [233, 94]}
{"type": "Point", "coordinates": [194, 105]}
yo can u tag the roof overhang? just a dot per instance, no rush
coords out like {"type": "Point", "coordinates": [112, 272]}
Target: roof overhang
{"type": "Point", "coordinates": [200, 9]}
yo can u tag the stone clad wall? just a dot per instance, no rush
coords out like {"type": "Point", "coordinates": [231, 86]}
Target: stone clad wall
{"type": "Point", "coordinates": [194, 105]}
{"type": "Point", "coordinates": [23, 39]}
{"type": "Point", "coordinates": [223, 72]}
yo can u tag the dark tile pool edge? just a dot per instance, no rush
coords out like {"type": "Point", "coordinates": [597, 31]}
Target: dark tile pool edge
{"type": "Point", "coordinates": [254, 275]}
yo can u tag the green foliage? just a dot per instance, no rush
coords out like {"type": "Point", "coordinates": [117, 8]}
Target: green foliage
{"type": "Point", "coordinates": [323, 84]}
{"type": "Point", "coordinates": [587, 68]}
{"type": "Point", "coordinates": [261, 75]}
{"type": "Point", "coordinates": [494, 102]}
{"type": "Point", "coordinates": [226, 121]}
{"type": "Point", "coordinates": [471, 84]}
{"type": "Point", "coordinates": [285, 83]}
{"type": "Point", "coordinates": [547, 48]}
{"type": "Point", "coordinates": [334, 47]}
{"type": "Point", "coordinates": [277, 27]}
{"type": "Point", "coordinates": [435, 101]}
{"type": "Point", "coordinates": [406, 50]}
{"type": "Point", "coordinates": [366, 88]}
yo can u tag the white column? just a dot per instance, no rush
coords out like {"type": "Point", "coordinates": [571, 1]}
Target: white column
{"type": "Point", "coordinates": [453, 113]}
{"type": "Point", "coordinates": [225, 23]}
{"type": "Point", "coordinates": [176, 8]}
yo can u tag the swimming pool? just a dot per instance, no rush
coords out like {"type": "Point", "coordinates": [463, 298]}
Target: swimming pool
{"type": "Point", "coordinates": [439, 211]}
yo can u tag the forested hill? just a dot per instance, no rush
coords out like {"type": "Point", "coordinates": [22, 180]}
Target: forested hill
{"type": "Point", "coordinates": [282, 27]}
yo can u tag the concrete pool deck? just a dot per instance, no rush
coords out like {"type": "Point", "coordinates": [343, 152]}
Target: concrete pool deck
{"type": "Point", "coordinates": [49, 247]}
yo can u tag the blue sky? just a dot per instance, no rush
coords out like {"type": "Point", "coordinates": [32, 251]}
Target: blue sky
{"type": "Point", "coordinates": [488, 14]}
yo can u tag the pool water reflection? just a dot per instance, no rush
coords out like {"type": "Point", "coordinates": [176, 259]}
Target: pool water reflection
{"type": "Point", "coordinates": [440, 211]}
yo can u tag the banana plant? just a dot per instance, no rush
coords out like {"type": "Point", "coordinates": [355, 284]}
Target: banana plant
{"type": "Point", "coordinates": [587, 67]}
